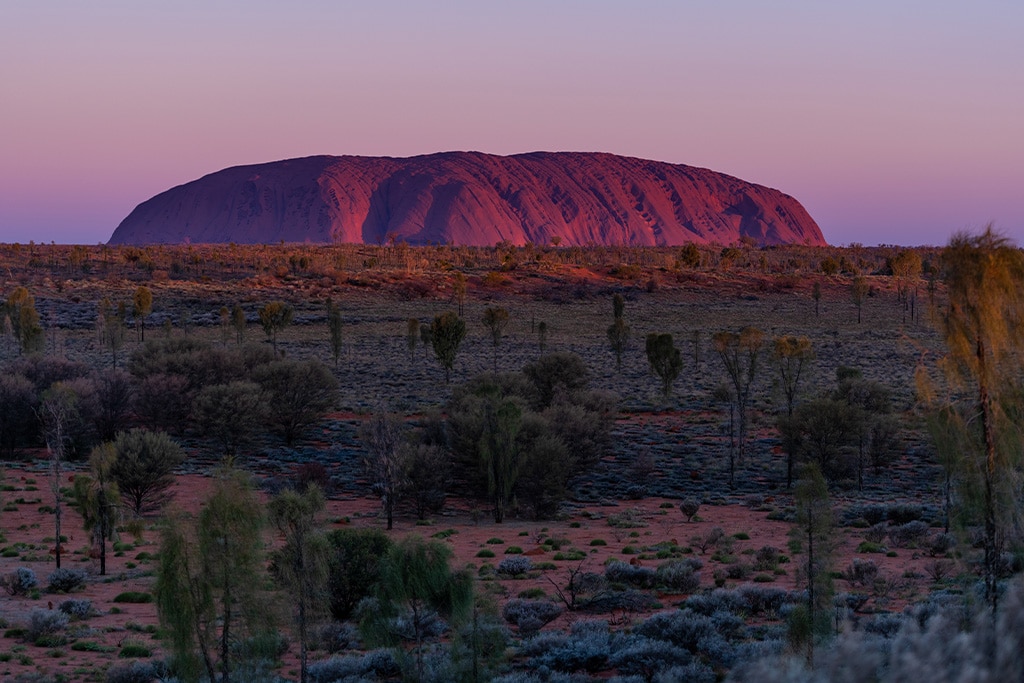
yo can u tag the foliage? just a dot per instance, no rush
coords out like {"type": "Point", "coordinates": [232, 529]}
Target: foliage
{"type": "Point", "coordinates": [383, 436]}
{"type": "Point", "coordinates": [275, 316]}
{"type": "Point", "coordinates": [76, 607]}
{"type": "Point", "coordinates": [298, 394]}
{"type": "Point", "coordinates": [229, 414]}
{"type": "Point", "coordinates": [44, 622]}
{"type": "Point", "coordinates": [301, 565]}
{"type": "Point", "coordinates": [446, 335]}
{"type": "Point", "coordinates": [664, 360]}
{"type": "Point", "coordinates": [740, 353]}
{"type": "Point", "coordinates": [416, 583]}
{"type": "Point", "coordinates": [20, 581]}
{"type": "Point", "coordinates": [526, 435]}
{"type": "Point", "coordinates": [208, 584]}
{"type": "Point", "coordinates": [17, 415]}
{"type": "Point", "coordinates": [814, 529]}
{"type": "Point", "coordinates": [529, 616]}
{"type": "Point", "coordinates": [354, 567]}
{"type": "Point", "coordinates": [65, 580]}
{"type": "Point", "coordinates": [495, 319]}
{"type": "Point", "coordinates": [144, 469]}
{"type": "Point", "coordinates": [984, 276]}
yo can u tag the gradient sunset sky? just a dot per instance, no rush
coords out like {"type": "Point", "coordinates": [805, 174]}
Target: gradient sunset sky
{"type": "Point", "coordinates": [893, 122]}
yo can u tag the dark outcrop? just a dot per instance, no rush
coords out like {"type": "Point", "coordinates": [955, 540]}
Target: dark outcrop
{"type": "Point", "coordinates": [470, 198]}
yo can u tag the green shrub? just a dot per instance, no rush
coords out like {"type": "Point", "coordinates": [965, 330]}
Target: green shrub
{"type": "Point", "coordinates": [495, 541]}
{"type": "Point", "coordinates": [133, 597]}
{"type": "Point", "coordinates": [869, 547]}
{"type": "Point", "coordinates": [131, 649]}
{"type": "Point", "coordinates": [598, 541]}
{"type": "Point", "coordinates": [513, 550]}
{"type": "Point", "coordinates": [485, 553]}
{"type": "Point", "coordinates": [91, 646]}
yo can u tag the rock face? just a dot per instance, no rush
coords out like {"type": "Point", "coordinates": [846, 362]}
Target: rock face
{"type": "Point", "coordinates": [469, 198]}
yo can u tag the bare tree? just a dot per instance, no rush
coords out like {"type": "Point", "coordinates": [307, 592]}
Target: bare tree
{"type": "Point", "coordinates": [384, 439]}
{"type": "Point", "coordinates": [740, 352]}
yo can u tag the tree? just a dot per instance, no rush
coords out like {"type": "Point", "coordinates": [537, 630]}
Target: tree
{"type": "Point", "coordinates": [21, 309]}
{"type": "Point", "coordinates": [209, 577]}
{"type": "Point", "coordinates": [740, 352]}
{"type": "Point", "coordinates": [858, 290]}
{"type": "Point", "coordinates": [664, 359]}
{"type": "Point", "coordinates": [446, 335]}
{"type": "Point", "coordinates": [353, 567]}
{"type": "Point", "coordinates": [384, 440]}
{"type": "Point", "coordinates": [814, 530]}
{"type": "Point", "coordinates": [791, 354]}
{"type": "Point", "coordinates": [57, 411]}
{"type": "Point", "coordinates": [274, 317]}
{"type": "Point", "coordinates": [426, 337]}
{"type": "Point", "coordinates": [96, 495]}
{"type": "Point", "coordinates": [230, 414]}
{"type": "Point", "coordinates": [301, 565]}
{"type": "Point", "coordinates": [459, 290]}
{"type": "Point", "coordinates": [238, 321]}
{"type": "Point", "coordinates": [618, 333]}
{"type": "Point", "coordinates": [870, 404]}
{"type": "Point", "coordinates": [542, 336]}
{"type": "Point", "coordinates": [495, 320]}
{"type": "Point", "coordinates": [499, 453]}
{"type": "Point", "coordinates": [144, 469]}
{"type": "Point", "coordinates": [17, 418]}
{"type": "Point", "coordinates": [142, 304]}
{"type": "Point", "coordinates": [114, 394]}
{"type": "Point", "coordinates": [298, 393]}
{"type": "Point", "coordinates": [984, 277]}
{"type": "Point", "coordinates": [412, 336]}
{"type": "Point", "coordinates": [417, 582]}
{"type": "Point", "coordinates": [822, 431]}
{"type": "Point", "coordinates": [334, 326]}
{"type": "Point", "coordinates": [816, 295]}
{"type": "Point", "coordinates": [111, 326]}
{"type": "Point", "coordinates": [906, 268]}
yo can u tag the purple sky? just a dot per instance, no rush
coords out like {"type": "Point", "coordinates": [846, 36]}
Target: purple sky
{"type": "Point", "coordinates": [893, 122]}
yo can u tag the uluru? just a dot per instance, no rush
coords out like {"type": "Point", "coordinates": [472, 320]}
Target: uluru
{"type": "Point", "coordinates": [470, 198]}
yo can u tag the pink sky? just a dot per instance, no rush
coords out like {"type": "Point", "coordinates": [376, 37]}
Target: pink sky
{"type": "Point", "coordinates": [892, 122]}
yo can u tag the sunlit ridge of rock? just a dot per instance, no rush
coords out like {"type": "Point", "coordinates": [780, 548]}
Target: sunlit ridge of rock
{"type": "Point", "coordinates": [470, 198]}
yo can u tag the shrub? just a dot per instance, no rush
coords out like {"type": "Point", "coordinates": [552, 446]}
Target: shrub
{"type": "Point", "coordinates": [530, 615]}
{"type": "Point", "coordinates": [79, 609]}
{"type": "Point", "coordinates": [941, 544]}
{"type": "Point", "coordinates": [763, 600]}
{"type": "Point", "coordinates": [65, 580]}
{"type": "Point", "coordinates": [621, 572]}
{"type": "Point", "coordinates": [679, 576]}
{"type": "Point", "coordinates": [708, 540]}
{"type": "Point", "coordinates": [134, 597]}
{"type": "Point", "coordinates": [334, 637]}
{"type": "Point", "coordinates": [514, 566]}
{"type": "Point", "coordinates": [136, 672]}
{"type": "Point", "coordinates": [644, 657]}
{"type": "Point", "coordinates": [379, 663]}
{"type": "Point", "coordinates": [861, 572]}
{"type": "Point", "coordinates": [133, 649]}
{"type": "Point", "coordinates": [627, 519]}
{"type": "Point", "coordinates": [908, 534]}
{"type": "Point", "coordinates": [485, 553]}
{"type": "Point", "coordinates": [689, 508]}
{"type": "Point", "coordinates": [20, 581]}
{"type": "Point", "coordinates": [767, 558]}
{"type": "Point", "coordinates": [876, 533]}
{"type": "Point", "coordinates": [901, 514]}
{"type": "Point", "coordinates": [45, 622]}
{"type": "Point", "coordinates": [719, 600]}
{"type": "Point", "coordinates": [587, 648]}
